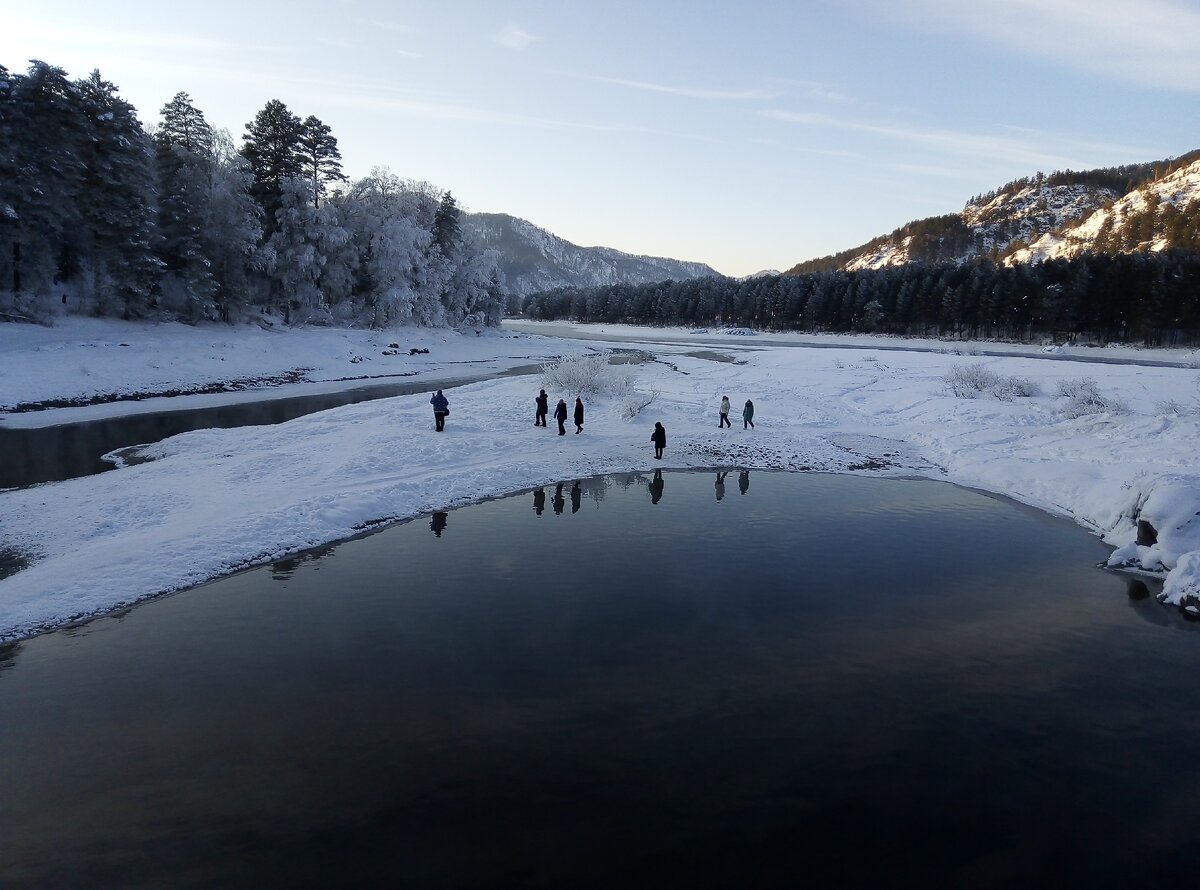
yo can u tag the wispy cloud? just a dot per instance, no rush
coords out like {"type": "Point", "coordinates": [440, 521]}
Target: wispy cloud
{"type": "Point", "coordinates": [814, 89]}
{"type": "Point", "coordinates": [1150, 42]}
{"type": "Point", "coordinates": [689, 92]}
{"type": "Point", "coordinates": [380, 25]}
{"type": "Point", "coordinates": [1028, 148]}
{"type": "Point", "coordinates": [97, 38]}
{"type": "Point", "coordinates": [515, 37]}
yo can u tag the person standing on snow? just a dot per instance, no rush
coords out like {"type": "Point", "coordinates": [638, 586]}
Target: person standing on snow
{"type": "Point", "coordinates": [441, 407]}
{"type": "Point", "coordinates": [748, 415]}
{"type": "Point", "coordinates": [724, 421]}
{"type": "Point", "coordinates": [560, 414]}
{"type": "Point", "coordinates": [659, 438]}
{"type": "Point", "coordinates": [543, 408]}
{"type": "Point", "coordinates": [578, 415]}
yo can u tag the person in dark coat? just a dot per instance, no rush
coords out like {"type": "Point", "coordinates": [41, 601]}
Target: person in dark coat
{"type": "Point", "coordinates": [578, 415]}
{"type": "Point", "coordinates": [659, 438]}
{"type": "Point", "coordinates": [543, 408]}
{"type": "Point", "coordinates": [748, 415]}
{"type": "Point", "coordinates": [560, 414]}
{"type": "Point", "coordinates": [441, 407]}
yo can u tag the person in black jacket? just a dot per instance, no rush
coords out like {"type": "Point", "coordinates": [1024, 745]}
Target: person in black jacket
{"type": "Point", "coordinates": [578, 415]}
{"type": "Point", "coordinates": [560, 414]}
{"type": "Point", "coordinates": [659, 438]}
{"type": "Point", "coordinates": [441, 407]}
{"type": "Point", "coordinates": [543, 408]}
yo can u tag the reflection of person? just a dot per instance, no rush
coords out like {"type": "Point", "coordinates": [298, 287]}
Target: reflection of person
{"type": "Point", "coordinates": [539, 500]}
{"type": "Point", "coordinates": [560, 414]}
{"type": "Point", "coordinates": [748, 415]}
{"type": "Point", "coordinates": [441, 407]}
{"type": "Point", "coordinates": [659, 438]}
{"type": "Point", "coordinates": [437, 524]}
{"type": "Point", "coordinates": [543, 408]}
{"type": "Point", "coordinates": [576, 496]}
{"type": "Point", "coordinates": [656, 487]}
{"type": "Point", "coordinates": [724, 421]}
{"type": "Point", "coordinates": [720, 483]}
{"type": "Point", "coordinates": [578, 415]}
{"type": "Point", "coordinates": [559, 502]}
{"type": "Point", "coordinates": [744, 481]}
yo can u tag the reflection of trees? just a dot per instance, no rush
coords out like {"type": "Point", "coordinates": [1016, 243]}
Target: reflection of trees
{"type": "Point", "coordinates": [8, 655]}
{"type": "Point", "coordinates": [282, 569]}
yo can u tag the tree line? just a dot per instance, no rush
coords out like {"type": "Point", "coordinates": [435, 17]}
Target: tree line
{"type": "Point", "coordinates": [106, 218]}
{"type": "Point", "coordinates": [1151, 298]}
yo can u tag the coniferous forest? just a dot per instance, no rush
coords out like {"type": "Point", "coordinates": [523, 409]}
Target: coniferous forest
{"type": "Point", "coordinates": [99, 215]}
{"type": "Point", "coordinates": [1148, 298]}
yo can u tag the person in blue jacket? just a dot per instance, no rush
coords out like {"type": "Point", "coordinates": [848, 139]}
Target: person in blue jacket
{"type": "Point", "coordinates": [441, 407]}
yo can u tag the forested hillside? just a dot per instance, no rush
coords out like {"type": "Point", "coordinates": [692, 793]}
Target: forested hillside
{"type": "Point", "coordinates": [1151, 298]}
{"type": "Point", "coordinates": [100, 216]}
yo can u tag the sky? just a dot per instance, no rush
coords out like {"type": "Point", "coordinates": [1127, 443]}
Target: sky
{"type": "Point", "coordinates": [748, 136]}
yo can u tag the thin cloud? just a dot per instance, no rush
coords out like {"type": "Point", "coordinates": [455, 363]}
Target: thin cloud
{"type": "Point", "coordinates": [690, 92]}
{"type": "Point", "coordinates": [95, 38]}
{"type": "Point", "coordinates": [1029, 148]}
{"type": "Point", "coordinates": [814, 89]}
{"type": "Point", "coordinates": [379, 25]}
{"type": "Point", "coordinates": [514, 37]}
{"type": "Point", "coordinates": [1151, 42]}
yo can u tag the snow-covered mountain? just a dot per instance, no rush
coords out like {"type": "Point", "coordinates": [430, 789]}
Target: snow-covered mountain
{"type": "Point", "coordinates": [1043, 217]}
{"type": "Point", "coordinates": [1139, 220]}
{"type": "Point", "coordinates": [536, 260]}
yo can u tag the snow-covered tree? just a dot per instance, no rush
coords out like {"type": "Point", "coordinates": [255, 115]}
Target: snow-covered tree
{"type": "Point", "coordinates": [304, 238]}
{"type": "Point", "coordinates": [117, 202]}
{"type": "Point", "coordinates": [273, 149]}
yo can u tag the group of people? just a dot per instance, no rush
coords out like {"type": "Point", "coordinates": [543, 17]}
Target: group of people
{"type": "Point", "coordinates": [560, 413]}
{"type": "Point", "coordinates": [441, 408]}
{"type": "Point", "coordinates": [747, 414]}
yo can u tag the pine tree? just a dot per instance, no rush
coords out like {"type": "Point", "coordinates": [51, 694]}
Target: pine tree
{"type": "Point", "coordinates": [273, 149]}
{"type": "Point", "coordinates": [322, 160]}
{"type": "Point", "coordinates": [117, 202]}
{"type": "Point", "coordinates": [183, 155]}
{"type": "Point", "coordinates": [447, 227]}
{"type": "Point", "coordinates": [46, 129]}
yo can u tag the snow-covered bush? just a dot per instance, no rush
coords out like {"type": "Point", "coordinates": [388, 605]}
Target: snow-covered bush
{"type": "Point", "coordinates": [973, 381]}
{"type": "Point", "coordinates": [1008, 388]}
{"type": "Point", "coordinates": [969, 381]}
{"type": "Point", "coordinates": [1082, 398]}
{"type": "Point", "coordinates": [589, 376]}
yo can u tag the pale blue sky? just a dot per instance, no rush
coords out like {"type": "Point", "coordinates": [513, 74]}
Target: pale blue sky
{"type": "Point", "coordinates": [748, 138]}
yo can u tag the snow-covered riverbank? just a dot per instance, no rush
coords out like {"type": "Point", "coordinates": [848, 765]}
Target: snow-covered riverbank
{"type": "Point", "coordinates": [214, 501]}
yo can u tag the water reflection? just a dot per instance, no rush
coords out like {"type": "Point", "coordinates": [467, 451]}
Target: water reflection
{"type": "Point", "coordinates": [539, 501]}
{"type": "Point", "coordinates": [283, 569]}
{"type": "Point", "coordinates": [744, 481]}
{"type": "Point", "coordinates": [437, 523]}
{"type": "Point", "coordinates": [719, 485]}
{"type": "Point", "coordinates": [576, 496]}
{"type": "Point", "coordinates": [670, 717]}
{"type": "Point", "coordinates": [656, 487]}
{"type": "Point", "coordinates": [559, 501]}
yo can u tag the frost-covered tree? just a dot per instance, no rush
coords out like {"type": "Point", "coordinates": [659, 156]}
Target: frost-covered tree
{"type": "Point", "coordinates": [184, 160]}
{"type": "Point", "coordinates": [305, 237]}
{"type": "Point", "coordinates": [447, 226]}
{"type": "Point", "coordinates": [45, 128]}
{"type": "Point", "coordinates": [117, 202]}
{"type": "Point", "coordinates": [272, 147]}
{"type": "Point", "coordinates": [233, 227]}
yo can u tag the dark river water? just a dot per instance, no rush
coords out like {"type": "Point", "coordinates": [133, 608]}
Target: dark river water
{"type": "Point", "coordinates": [759, 680]}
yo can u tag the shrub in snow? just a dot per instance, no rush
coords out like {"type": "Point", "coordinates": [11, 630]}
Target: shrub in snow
{"type": "Point", "coordinates": [591, 375]}
{"type": "Point", "coordinates": [973, 381]}
{"type": "Point", "coordinates": [1082, 398]}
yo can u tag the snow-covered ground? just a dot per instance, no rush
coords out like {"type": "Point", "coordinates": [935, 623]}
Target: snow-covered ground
{"type": "Point", "coordinates": [214, 501]}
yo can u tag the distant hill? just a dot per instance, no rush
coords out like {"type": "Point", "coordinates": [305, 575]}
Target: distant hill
{"type": "Point", "coordinates": [1119, 209]}
{"type": "Point", "coordinates": [534, 259]}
